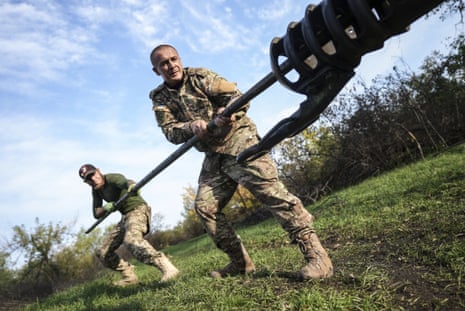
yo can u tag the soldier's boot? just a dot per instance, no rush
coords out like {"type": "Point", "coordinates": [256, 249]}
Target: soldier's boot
{"type": "Point", "coordinates": [128, 274]}
{"type": "Point", "coordinates": [319, 264]}
{"type": "Point", "coordinates": [166, 267]}
{"type": "Point", "coordinates": [241, 263]}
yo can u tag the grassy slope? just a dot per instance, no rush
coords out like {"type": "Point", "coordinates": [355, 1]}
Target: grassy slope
{"type": "Point", "coordinates": [397, 242]}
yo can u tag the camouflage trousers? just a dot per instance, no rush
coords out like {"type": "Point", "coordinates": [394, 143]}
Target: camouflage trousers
{"type": "Point", "coordinates": [129, 231]}
{"type": "Point", "coordinates": [218, 181]}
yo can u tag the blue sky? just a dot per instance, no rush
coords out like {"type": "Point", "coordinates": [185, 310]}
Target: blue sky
{"type": "Point", "coordinates": [74, 82]}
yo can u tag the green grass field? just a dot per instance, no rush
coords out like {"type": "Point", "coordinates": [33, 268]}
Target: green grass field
{"type": "Point", "coordinates": [397, 242]}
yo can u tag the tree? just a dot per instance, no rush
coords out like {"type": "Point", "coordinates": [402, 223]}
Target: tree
{"type": "Point", "coordinates": [191, 225]}
{"type": "Point", "coordinates": [39, 245]}
{"type": "Point", "coordinates": [305, 162]}
{"type": "Point", "coordinates": [76, 262]}
{"type": "Point", "coordinates": [448, 8]}
{"type": "Point", "coordinates": [242, 205]}
{"type": "Point", "coordinates": [157, 222]}
{"type": "Point", "coordinates": [6, 275]}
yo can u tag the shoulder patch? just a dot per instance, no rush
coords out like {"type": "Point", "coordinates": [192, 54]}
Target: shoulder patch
{"type": "Point", "coordinates": [202, 72]}
{"type": "Point", "coordinates": [221, 86]}
{"type": "Point", "coordinates": [161, 108]}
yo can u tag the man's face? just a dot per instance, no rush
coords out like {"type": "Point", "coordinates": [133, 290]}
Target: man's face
{"type": "Point", "coordinates": [95, 180]}
{"type": "Point", "coordinates": [167, 64]}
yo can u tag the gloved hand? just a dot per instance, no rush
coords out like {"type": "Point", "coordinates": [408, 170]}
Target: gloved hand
{"type": "Point", "coordinates": [109, 207]}
{"type": "Point", "coordinates": [131, 186]}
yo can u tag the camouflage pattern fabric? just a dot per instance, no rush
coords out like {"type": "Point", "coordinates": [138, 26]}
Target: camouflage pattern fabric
{"type": "Point", "coordinates": [217, 182]}
{"type": "Point", "coordinates": [130, 231]}
{"type": "Point", "coordinates": [202, 93]}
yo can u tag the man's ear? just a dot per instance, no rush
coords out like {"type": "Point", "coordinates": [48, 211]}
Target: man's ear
{"type": "Point", "coordinates": [156, 71]}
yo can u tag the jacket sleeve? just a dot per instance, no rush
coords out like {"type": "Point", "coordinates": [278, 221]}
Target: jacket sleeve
{"type": "Point", "coordinates": [175, 131]}
{"type": "Point", "coordinates": [97, 202]}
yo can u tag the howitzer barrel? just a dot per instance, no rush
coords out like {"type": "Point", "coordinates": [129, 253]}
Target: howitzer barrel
{"type": "Point", "coordinates": [325, 47]}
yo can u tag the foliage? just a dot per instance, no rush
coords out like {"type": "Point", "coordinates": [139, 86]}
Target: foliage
{"type": "Point", "coordinates": [76, 261]}
{"type": "Point", "coordinates": [400, 118]}
{"type": "Point", "coordinates": [157, 223]}
{"type": "Point", "coordinates": [396, 241]}
{"type": "Point", "coordinates": [191, 225]}
{"type": "Point", "coordinates": [450, 7]}
{"type": "Point", "coordinates": [242, 206]}
{"type": "Point", "coordinates": [39, 246]}
{"type": "Point", "coordinates": [305, 160]}
{"type": "Point", "coordinates": [51, 260]}
{"type": "Point", "coordinates": [6, 275]}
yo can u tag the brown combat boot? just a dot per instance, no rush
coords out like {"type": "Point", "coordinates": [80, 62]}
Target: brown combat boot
{"type": "Point", "coordinates": [166, 267]}
{"type": "Point", "coordinates": [241, 263]}
{"type": "Point", "coordinates": [128, 274]}
{"type": "Point", "coordinates": [319, 264]}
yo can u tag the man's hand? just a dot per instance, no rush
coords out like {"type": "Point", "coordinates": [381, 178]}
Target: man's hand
{"type": "Point", "coordinates": [199, 128]}
{"type": "Point", "coordinates": [223, 121]}
{"type": "Point", "coordinates": [109, 207]}
{"type": "Point", "coordinates": [131, 186]}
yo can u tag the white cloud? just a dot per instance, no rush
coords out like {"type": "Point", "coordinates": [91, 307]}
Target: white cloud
{"type": "Point", "coordinates": [146, 21]}
{"type": "Point", "coordinates": [214, 28]}
{"type": "Point", "coordinates": [94, 14]}
{"type": "Point", "coordinates": [275, 10]}
{"type": "Point", "coordinates": [38, 44]}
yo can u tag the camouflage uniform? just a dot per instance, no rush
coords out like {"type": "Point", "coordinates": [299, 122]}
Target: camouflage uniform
{"type": "Point", "coordinates": [200, 96]}
{"type": "Point", "coordinates": [130, 231]}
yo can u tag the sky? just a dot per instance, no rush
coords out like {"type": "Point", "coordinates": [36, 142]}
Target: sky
{"type": "Point", "coordinates": [74, 82]}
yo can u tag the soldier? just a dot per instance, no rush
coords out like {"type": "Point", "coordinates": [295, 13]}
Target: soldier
{"type": "Point", "coordinates": [134, 224]}
{"type": "Point", "coordinates": [183, 106]}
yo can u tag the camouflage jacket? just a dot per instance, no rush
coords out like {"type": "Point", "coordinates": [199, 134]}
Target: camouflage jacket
{"type": "Point", "coordinates": [200, 95]}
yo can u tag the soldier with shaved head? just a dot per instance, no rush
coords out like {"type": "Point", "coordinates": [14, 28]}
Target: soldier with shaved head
{"type": "Point", "coordinates": [183, 105]}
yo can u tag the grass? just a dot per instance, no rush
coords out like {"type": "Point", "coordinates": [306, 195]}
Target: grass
{"type": "Point", "coordinates": [397, 242]}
